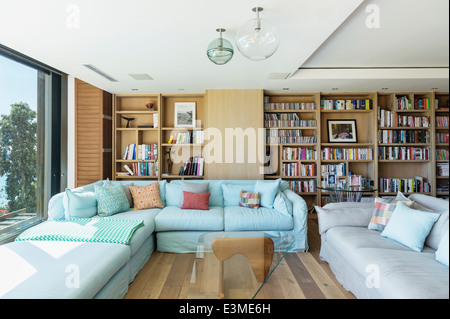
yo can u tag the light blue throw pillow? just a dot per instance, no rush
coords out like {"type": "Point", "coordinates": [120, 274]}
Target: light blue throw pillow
{"type": "Point", "coordinates": [410, 227]}
{"type": "Point", "coordinates": [232, 193]}
{"type": "Point", "coordinates": [442, 251]}
{"type": "Point", "coordinates": [111, 200]}
{"type": "Point", "coordinates": [282, 204]}
{"type": "Point", "coordinates": [268, 190]}
{"type": "Point", "coordinates": [79, 204]}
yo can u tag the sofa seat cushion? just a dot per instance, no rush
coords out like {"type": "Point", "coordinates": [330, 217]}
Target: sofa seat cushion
{"type": "Point", "coordinates": [242, 218]}
{"type": "Point", "coordinates": [142, 233]}
{"type": "Point", "coordinates": [394, 269]}
{"type": "Point", "coordinates": [174, 218]}
{"type": "Point", "coordinates": [58, 269]}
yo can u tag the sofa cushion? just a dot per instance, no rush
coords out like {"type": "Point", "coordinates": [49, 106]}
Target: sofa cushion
{"type": "Point", "coordinates": [195, 200]}
{"type": "Point", "coordinates": [175, 218]}
{"type": "Point", "coordinates": [173, 192]}
{"type": "Point", "coordinates": [410, 227]}
{"type": "Point", "coordinates": [79, 204]}
{"type": "Point", "coordinates": [232, 192]}
{"type": "Point", "coordinates": [243, 218]}
{"type": "Point", "coordinates": [268, 191]}
{"type": "Point", "coordinates": [282, 204]}
{"type": "Point", "coordinates": [250, 200]}
{"type": "Point", "coordinates": [442, 251]}
{"type": "Point", "coordinates": [111, 200]}
{"type": "Point", "coordinates": [383, 212]}
{"type": "Point", "coordinates": [192, 188]}
{"type": "Point", "coordinates": [145, 197]}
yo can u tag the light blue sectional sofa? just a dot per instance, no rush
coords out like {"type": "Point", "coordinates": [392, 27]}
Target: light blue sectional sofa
{"type": "Point", "coordinates": [374, 266]}
{"type": "Point", "coordinates": [60, 269]}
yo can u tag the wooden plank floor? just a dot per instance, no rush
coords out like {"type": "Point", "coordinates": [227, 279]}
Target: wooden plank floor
{"type": "Point", "coordinates": [298, 276]}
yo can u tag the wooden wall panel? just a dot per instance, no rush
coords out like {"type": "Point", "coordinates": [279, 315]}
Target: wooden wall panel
{"type": "Point", "coordinates": [91, 133]}
{"type": "Point", "coordinates": [234, 109]}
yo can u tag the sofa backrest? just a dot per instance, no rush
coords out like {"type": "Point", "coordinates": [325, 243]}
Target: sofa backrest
{"type": "Point", "coordinates": [170, 192]}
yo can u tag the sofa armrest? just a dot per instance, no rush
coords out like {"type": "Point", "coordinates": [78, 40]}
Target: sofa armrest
{"type": "Point", "coordinates": [300, 216]}
{"type": "Point", "coordinates": [344, 215]}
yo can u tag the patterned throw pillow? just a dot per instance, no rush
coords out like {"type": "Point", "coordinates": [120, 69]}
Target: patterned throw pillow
{"type": "Point", "coordinates": [195, 201]}
{"type": "Point", "coordinates": [383, 212]}
{"type": "Point", "coordinates": [145, 197]}
{"type": "Point", "coordinates": [111, 200]}
{"type": "Point", "coordinates": [251, 200]}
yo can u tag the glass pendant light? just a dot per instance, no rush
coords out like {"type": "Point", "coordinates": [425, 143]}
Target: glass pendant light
{"type": "Point", "coordinates": [257, 39]}
{"type": "Point", "coordinates": [220, 51]}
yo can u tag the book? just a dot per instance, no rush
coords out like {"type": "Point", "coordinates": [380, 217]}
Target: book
{"type": "Point", "coordinates": [128, 169]}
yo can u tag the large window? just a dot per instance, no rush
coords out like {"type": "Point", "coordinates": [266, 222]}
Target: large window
{"type": "Point", "coordinates": [30, 143]}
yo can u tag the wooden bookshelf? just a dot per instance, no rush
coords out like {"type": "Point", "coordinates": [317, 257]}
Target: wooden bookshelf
{"type": "Point", "coordinates": [441, 142]}
{"type": "Point", "coordinates": [181, 151]}
{"type": "Point", "coordinates": [287, 158]}
{"type": "Point", "coordinates": [143, 130]}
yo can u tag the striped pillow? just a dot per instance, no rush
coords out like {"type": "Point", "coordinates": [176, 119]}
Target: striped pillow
{"type": "Point", "coordinates": [250, 200]}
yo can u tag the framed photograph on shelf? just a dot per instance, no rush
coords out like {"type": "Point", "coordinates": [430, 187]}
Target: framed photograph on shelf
{"type": "Point", "coordinates": [184, 114]}
{"type": "Point", "coordinates": [342, 131]}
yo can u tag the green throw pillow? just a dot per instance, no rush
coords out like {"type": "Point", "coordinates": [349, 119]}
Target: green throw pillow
{"type": "Point", "coordinates": [111, 200]}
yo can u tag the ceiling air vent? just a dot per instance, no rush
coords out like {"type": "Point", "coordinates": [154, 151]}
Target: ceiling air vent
{"type": "Point", "coordinates": [141, 76]}
{"type": "Point", "coordinates": [100, 72]}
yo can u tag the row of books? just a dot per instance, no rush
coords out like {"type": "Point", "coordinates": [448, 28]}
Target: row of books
{"type": "Point", "coordinates": [142, 169]}
{"type": "Point", "coordinates": [403, 136]}
{"type": "Point", "coordinates": [403, 153]}
{"type": "Point", "coordinates": [297, 169]}
{"type": "Point", "coordinates": [442, 154]}
{"type": "Point", "coordinates": [289, 106]}
{"type": "Point", "coordinates": [306, 186]}
{"type": "Point", "coordinates": [404, 103]}
{"type": "Point", "coordinates": [337, 170]}
{"type": "Point", "coordinates": [286, 120]}
{"type": "Point", "coordinates": [296, 153]}
{"type": "Point", "coordinates": [442, 121]}
{"type": "Point", "coordinates": [288, 137]}
{"type": "Point", "coordinates": [347, 154]}
{"type": "Point", "coordinates": [346, 104]}
{"type": "Point", "coordinates": [442, 188]}
{"type": "Point", "coordinates": [404, 185]}
{"type": "Point", "coordinates": [194, 166]}
{"type": "Point", "coordinates": [442, 169]}
{"type": "Point", "coordinates": [442, 138]}
{"type": "Point", "coordinates": [390, 119]}
{"type": "Point", "coordinates": [141, 152]}
{"type": "Point", "coordinates": [193, 137]}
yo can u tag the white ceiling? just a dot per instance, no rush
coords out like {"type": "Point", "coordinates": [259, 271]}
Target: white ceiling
{"type": "Point", "coordinates": [168, 40]}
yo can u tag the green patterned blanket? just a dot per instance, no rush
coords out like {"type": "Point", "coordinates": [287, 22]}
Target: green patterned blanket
{"type": "Point", "coordinates": [92, 230]}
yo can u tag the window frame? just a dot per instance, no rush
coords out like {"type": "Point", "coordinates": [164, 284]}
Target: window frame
{"type": "Point", "coordinates": [51, 136]}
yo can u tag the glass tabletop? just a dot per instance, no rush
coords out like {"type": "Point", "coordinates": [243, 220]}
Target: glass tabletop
{"type": "Point", "coordinates": [236, 265]}
{"type": "Point", "coordinates": [365, 189]}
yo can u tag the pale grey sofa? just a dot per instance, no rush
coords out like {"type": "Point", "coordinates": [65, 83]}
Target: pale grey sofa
{"type": "Point", "coordinates": [375, 267]}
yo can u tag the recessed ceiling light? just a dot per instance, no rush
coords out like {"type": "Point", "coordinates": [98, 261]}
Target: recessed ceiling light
{"type": "Point", "coordinates": [134, 89]}
{"type": "Point", "coordinates": [385, 89]}
{"type": "Point", "coordinates": [335, 89]}
{"type": "Point", "coordinates": [285, 89]}
{"type": "Point", "coordinates": [141, 76]}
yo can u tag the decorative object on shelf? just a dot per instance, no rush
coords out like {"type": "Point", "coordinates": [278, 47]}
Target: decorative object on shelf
{"type": "Point", "coordinates": [342, 131]}
{"type": "Point", "coordinates": [128, 119]}
{"type": "Point", "coordinates": [220, 51]}
{"type": "Point", "coordinates": [257, 39]}
{"type": "Point", "coordinates": [169, 162]}
{"type": "Point", "coordinates": [185, 114]}
{"type": "Point", "coordinates": [149, 106]}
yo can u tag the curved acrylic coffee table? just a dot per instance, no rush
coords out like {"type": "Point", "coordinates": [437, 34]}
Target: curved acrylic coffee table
{"type": "Point", "coordinates": [347, 194]}
{"type": "Point", "coordinates": [235, 265]}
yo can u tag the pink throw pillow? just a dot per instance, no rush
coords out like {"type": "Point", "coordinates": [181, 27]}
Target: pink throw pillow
{"type": "Point", "coordinates": [195, 201]}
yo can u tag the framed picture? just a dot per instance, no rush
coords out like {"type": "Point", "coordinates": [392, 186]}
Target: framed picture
{"type": "Point", "coordinates": [342, 131]}
{"type": "Point", "coordinates": [184, 114]}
